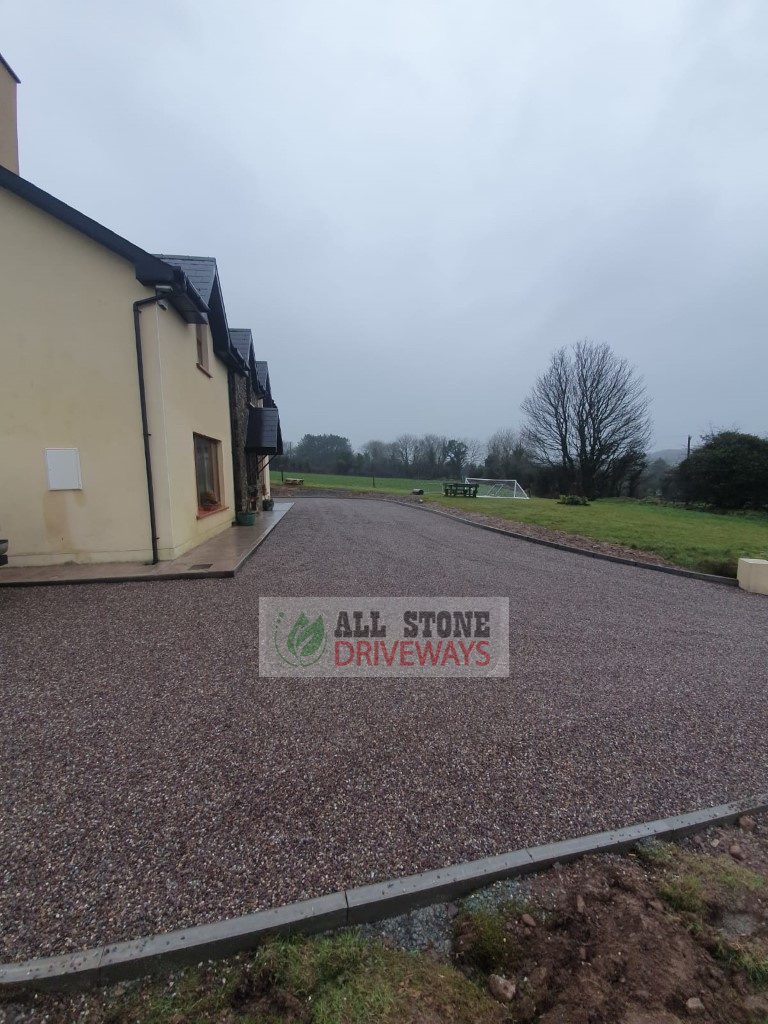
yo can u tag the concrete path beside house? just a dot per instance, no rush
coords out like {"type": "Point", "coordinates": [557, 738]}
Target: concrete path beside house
{"type": "Point", "coordinates": [220, 556]}
{"type": "Point", "coordinates": [150, 780]}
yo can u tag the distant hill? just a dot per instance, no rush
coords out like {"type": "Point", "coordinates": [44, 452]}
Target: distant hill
{"type": "Point", "coordinates": [671, 455]}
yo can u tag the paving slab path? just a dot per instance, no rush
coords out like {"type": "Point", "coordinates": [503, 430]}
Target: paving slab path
{"type": "Point", "coordinates": [150, 780]}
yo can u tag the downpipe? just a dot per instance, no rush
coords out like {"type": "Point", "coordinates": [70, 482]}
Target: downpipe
{"type": "Point", "coordinates": [137, 308]}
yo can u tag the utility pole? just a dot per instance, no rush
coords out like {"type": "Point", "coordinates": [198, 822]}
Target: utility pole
{"type": "Point", "coordinates": [689, 447]}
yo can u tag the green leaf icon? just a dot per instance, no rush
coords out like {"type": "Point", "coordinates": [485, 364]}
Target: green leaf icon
{"type": "Point", "coordinates": [305, 637]}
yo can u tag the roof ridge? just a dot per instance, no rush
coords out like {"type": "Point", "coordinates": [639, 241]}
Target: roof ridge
{"type": "Point", "coordinates": [181, 256]}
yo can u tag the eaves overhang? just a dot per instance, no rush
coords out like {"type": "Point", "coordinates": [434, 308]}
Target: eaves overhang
{"type": "Point", "coordinates": [149, 270]}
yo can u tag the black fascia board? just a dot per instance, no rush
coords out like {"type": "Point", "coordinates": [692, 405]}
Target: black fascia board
{"type": "Point", "coordinates": [222, 343]}
{"type": "Point", "coordinates": [9, 69]}
{"type": "Point", "coordinates": [149, 270]}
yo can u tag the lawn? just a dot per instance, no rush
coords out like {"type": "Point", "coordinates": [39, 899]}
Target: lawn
{"type": "Point", "coordinates": [387, 485]}
{"type": "Point", "coordinates": [704, 541]}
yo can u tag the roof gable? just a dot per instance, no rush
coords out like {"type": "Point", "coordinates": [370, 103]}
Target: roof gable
{"type": "Point", "coordinates": [201, 271]}
{"type": "Point", "coordinates": [242, 339]}
{"type": "Point", "coordinates": [262, 377]}
{"type": "Point", "coordinates": [149, 269]}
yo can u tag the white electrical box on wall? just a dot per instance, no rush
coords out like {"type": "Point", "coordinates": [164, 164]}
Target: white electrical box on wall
{"type": "Point", "coordinates": [63, 468]}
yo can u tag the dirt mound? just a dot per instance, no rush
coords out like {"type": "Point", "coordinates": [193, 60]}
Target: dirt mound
{"type": "Point", "coordinates": [662, 936]}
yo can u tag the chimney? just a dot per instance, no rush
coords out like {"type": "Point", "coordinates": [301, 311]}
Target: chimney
{"type": "Point", "coordinates": [9, 137]}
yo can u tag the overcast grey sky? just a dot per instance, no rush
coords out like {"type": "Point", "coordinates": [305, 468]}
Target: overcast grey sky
{"type": "Point", "coordinates": [413, 202]}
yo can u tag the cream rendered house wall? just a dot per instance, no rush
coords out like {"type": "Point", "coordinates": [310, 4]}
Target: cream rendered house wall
{"type": "Point", "coordinates": [183, 401]}
{"type": "Point", "coordinates": [9, 139]}
{"type": "Point", "coordinates": [69, 379]}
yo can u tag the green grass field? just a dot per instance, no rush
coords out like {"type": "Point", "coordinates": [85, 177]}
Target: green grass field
{"type": "Point", "coordinates": [387, 485]}
{"type": "Point", "coordinates": [704, 541]}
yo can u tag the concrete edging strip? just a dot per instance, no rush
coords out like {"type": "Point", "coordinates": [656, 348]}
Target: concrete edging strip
{"type": "Point", "coordinates": [671, 570]}
{"type": "Point", "coordinates": [138, 957]}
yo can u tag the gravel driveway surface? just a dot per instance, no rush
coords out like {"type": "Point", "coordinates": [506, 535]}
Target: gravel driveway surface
{"type": "Point", "coordinates": [149, 779]}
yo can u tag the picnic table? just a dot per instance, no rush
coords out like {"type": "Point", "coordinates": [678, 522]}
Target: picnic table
{"type": "Point", "coordinates": [456, 489]}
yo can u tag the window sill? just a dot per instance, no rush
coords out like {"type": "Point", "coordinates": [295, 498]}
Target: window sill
{"type": "Point", "coordinates": [203, 513]}
{"type": "Point", "coordinates": [202, 369]}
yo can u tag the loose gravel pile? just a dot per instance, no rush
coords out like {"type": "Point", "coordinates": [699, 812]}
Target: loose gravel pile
{"type": "Point", "coordinates": [150, 780]}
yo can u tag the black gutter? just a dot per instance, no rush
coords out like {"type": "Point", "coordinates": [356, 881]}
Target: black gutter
{"type": "Point", "coordinates": [137, 307]}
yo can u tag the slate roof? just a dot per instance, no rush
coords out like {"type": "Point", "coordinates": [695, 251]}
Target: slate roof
{"type": "Point", "coordinates": [242, 339]}
{"type": "Point", "coordinates": [201, 271]}
{"type": "Point", "coordinates": [203, 275]}
{"type": "Point", "coordinates": [262, 378]}
{"type": "Point", "coordinates": [264, 436]}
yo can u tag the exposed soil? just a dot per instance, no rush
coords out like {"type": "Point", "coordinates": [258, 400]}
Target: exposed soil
{"type": "Point", "coordinates": [665, 934]}
{"type": "Point", "coordinates": [662, 935]}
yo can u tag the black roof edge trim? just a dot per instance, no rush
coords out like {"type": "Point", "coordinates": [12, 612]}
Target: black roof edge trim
{"type": "Point", "coordinates": [149, 269]}
{"type": "Point", "coordinates": [9, 69]}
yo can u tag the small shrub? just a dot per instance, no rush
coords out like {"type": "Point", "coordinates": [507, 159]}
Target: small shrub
{"type": "Point", "coordinates": [572, 499]}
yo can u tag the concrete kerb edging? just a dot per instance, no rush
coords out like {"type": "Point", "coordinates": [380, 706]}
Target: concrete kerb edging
{"type": "Point", "coordinates": [654, 566]}
{"type": "Point", "coordinates": [167, 577]}
{"type": "Point", "coordinates": [138, 957]}
{"type": "Point", "coordinates": [671, 570]}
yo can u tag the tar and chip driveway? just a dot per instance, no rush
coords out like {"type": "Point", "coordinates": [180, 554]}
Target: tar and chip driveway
{"type": "Point", "coordinates": [151, 780]}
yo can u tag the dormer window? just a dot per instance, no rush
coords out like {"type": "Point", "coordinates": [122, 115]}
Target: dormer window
{"type": "Point", "coordinates": [201, 332]}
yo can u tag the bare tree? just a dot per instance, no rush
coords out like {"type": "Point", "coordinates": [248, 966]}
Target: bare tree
{"type": "Point", "coordinates": [587, 416]}
{"type": "Point", "coordinates": [405, 447]}
{"type": "Point", "coordinates": [507, 456]}
{"type": "Point", "coordinates": [430, 456]}
{"type": "Point", "coordinates": [475, 451]}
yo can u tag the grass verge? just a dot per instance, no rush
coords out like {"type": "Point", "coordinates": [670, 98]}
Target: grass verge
{"type": "Point", "coordinates": [703, 541]}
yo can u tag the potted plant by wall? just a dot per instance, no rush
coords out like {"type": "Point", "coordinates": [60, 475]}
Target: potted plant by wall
{"type": "Point", "coordinates": [268, 504]}
{"type": "Point", "coordinates": [246, 516]}
{"type": "Point", "coordinates": [3, 552]}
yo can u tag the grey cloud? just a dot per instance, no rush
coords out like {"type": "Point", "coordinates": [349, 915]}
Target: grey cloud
{"type": "Point", "coordinates": [413, 203]}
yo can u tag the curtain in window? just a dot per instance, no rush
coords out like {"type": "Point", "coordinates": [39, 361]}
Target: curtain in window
{"type": "Point", "coordinates": [206, 468]}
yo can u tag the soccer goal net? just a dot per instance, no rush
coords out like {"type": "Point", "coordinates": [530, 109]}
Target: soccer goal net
{"type": "Point", "coordinates": [497, 488]}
